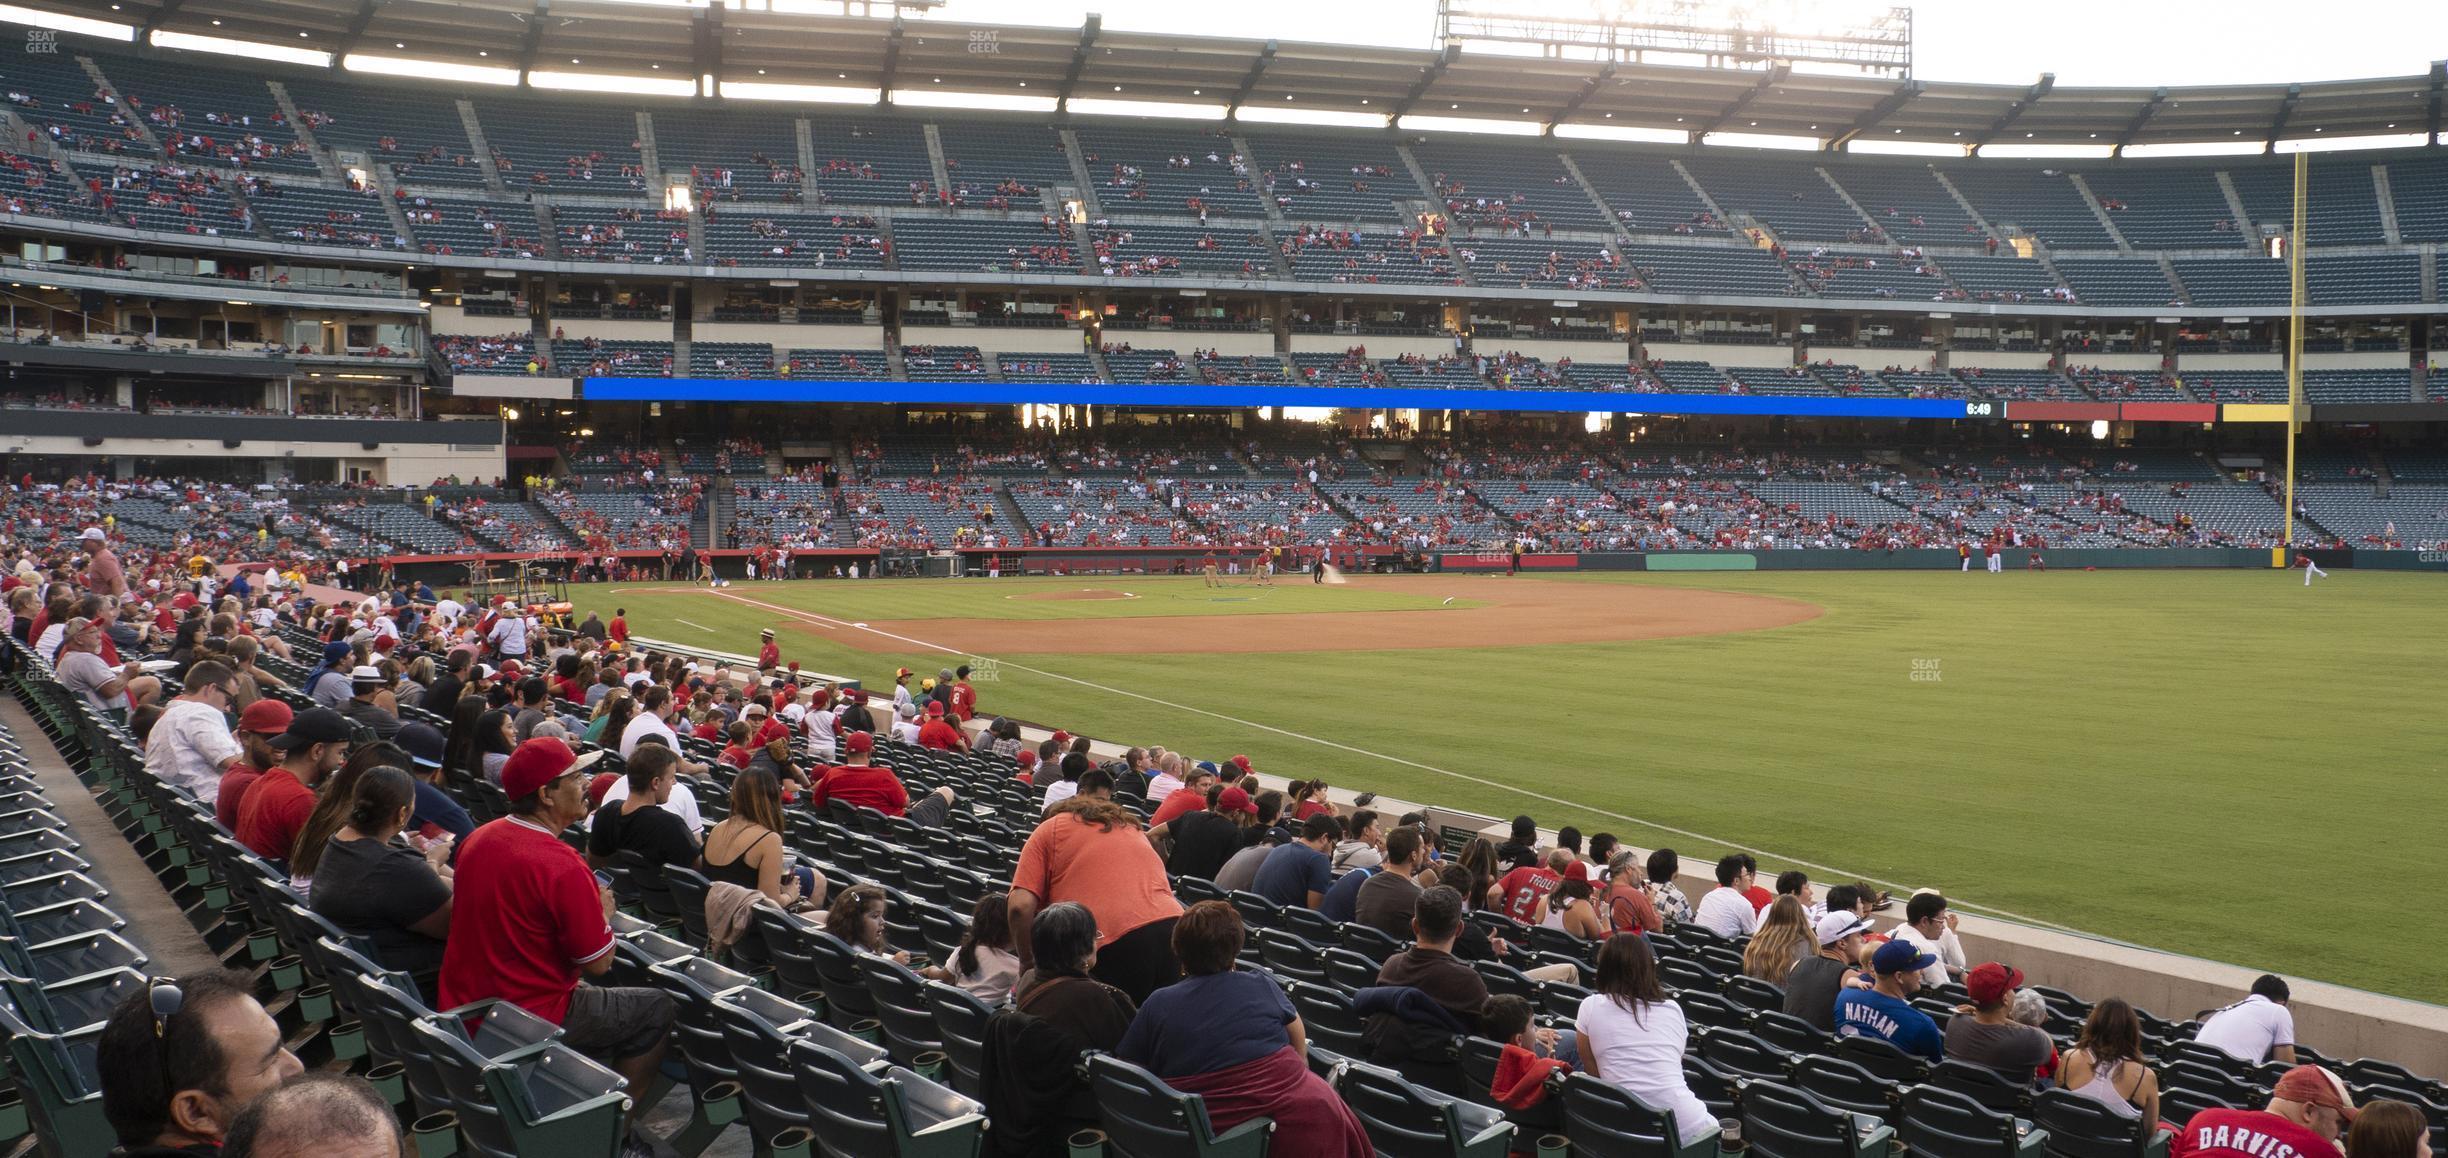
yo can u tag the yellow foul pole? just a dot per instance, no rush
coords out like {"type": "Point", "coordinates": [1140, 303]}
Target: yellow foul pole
{"type": "Point", "coordinates": [2295, 305]}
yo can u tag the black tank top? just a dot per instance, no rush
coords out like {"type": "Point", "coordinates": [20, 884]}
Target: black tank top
{"type": "Point", "coordinates": [739, 871]}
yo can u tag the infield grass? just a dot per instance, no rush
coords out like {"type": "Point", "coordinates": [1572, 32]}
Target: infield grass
{"type": "Point", "coordinates": [2219, 763]}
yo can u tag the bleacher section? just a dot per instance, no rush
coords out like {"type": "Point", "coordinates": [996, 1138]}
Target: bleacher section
{"type": "Point", "coordinates": [1332, 179]}
{"type": "Point", "coordinates": [732, 154]}
{"type": "Point", "coordinates": [417, 132]}
{"type": "Point", "coordinates": [1495, 185]}
{"type": "Point", "coordinates": [746, 235]}
{"type": "Point", "coordinates": [308, 213]}
{"type": "Point", "coordinates": [1230, 251]}
{"type": "Point", "coordinates": [627, 236]}
{"type": "Point", "coordinates": [838, 365]}
{"type": "Point", "coordinates": [1418, 512]}
{"type": "Point", "coordinates": [2418, 191]}
{"type": "Point", "coordinates": [1047, 368]}
{"type": "Point", "coordinates": [52, 93]}
{"type": "Point", "coordinates": [1990, 279]}
{"type": "Point", "coordinates": [731, 360]}
{"type": "Point", "coordinates": [1909, 205]}
{"type": "Point", "coordinates": [2116, 281]}
{"type": "Point", "coordinates": [2167, 207]}
{"type": "Point", "coordinates": [1712, 270]}
{"type": "Point", "coordinates": [868, 163]}
{"type": "Point", "coordinates": [600, 357]}
{"type": "Point", "coordinates": [1554, 262]}
{"type": "Point", "coordinates": [1016, 246]}
{"type": "Point", "coordinates": [999, 163]}
{"type": "Point", "coordinates": [1332, 255]}
{"type": "Point", "coordinates": [1242, 513]}
{"type": "Point", "coordinates": [566, 145]}
{"type": "Point", "coordinates": [1646, 195]}
{"type": "Point", "coordinates": [2345, 206]}
{"type": "Point", "coordinates": [489, 228]}
{"type": "Point", "coordinates": [1177, 173]}
{"type": "Point", "coordinates": [207, 115]}
{"type": "Point", "coordinates": [1789, 198]}
{"type": "Point", "coordinates": [1100, 512]}
{"type": "Point", "coordinates": [944, 363]}
{"type": "Point", "coordinates": [2024, 199]}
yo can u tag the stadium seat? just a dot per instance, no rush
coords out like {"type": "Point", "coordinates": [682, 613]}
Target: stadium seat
{"type": "Point", "coordinates": [544, 1100]}
{"type": "Point", "coordinates": [1783, 1121]}
{"type": "Point", "coordinates": [1406, 1121]}
{"type": "Point", "coordinates": [1329, 1017]}
{"type": "Point", "coordinates": [62, 1088]}
{"type": "Point", "coordinates": [883, 1113]}
{"type": "Point", "coordinates": [1145, 1118]}
{"type": "Point", "coordinates": [1601, 1119]}
{"type": "Point", "coordinates": [1881, 1058]}
{"type": "Point", "coordinates": [902, 1005]}
{"type": "Point", "coordinates": [1942, 1123]}
{"type": "Point", "coordinates": [2081, 1128]}
{"type": "Point", "coordinates": [960, 1021]}
{"type": "Point", "coordinates": [1745, 1054]}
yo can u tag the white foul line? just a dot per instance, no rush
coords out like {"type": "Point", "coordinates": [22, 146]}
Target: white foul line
{"type": "Point", "coordinates": [695, 624]}
{"type": "Point", "coordinates": [1465, 777]}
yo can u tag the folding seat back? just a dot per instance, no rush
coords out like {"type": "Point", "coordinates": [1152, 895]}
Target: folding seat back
{"type": "Point", "coordinates": [960, 1022]}
{"type": "Point", "coordinates": [1601, 1119]}
{"type": "Point", "coordinates": [2081, 1128]}
{"type": "Point", "coordinates": [1881, 1058]}
{"type": "Point", "coordinates": [694, 983]}
{"type": "Point", "coordinates": [1289, 956]}
{"type": "Point", "coordinates": [1328, 1014]}
{"type": "Point", "coordinates": [56, 1077]}
{"type": "Point", "coordinates": [1981, 1084]}
{"type": "Point", "coordinates": [1781, 1121]}
{"type": "Point", "coordinates": [902, 1006]}
{"type": "Point", "coordinates": [1145, 1118]}
{"type": "Point", "coordinates": [784, 938]}
{"type": "Point", "coordinates": [1791, 1034]}
{"type": "Point", "coordinates": [757, 1029]}
{"type": "Point", "coordinates": [1754, 994]}
{"type": "Point", "coordinates": [1406, 1121]}
{"type": "Point", "coordinates": [1848, 1086]}
{"type": "Point", "coordinates": [1746, 1055]}
{"type": "Point", "coordinates": [1369, 941]}
{"type": "Point", "coordinates": [1942, 1123]}
{"type": "Point", "coordinates": [886, 1113]}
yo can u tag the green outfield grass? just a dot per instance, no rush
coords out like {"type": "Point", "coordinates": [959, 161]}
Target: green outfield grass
{"type": "Point", "coordinates": [2219, 763]}
{"type": "Point", "coordinates": [1021, 599]}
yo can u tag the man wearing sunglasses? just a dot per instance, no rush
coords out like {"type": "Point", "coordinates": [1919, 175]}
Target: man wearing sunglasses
{"type": "Point", "coordinates": [184, 1056]}
{"type": "Point", "coordinates": [191, 745]}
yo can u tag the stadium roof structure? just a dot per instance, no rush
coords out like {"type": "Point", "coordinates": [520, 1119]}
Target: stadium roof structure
{"type": "Point", "coordinates": [898, 58]}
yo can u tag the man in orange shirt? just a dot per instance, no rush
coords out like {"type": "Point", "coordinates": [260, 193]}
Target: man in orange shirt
{"type": "Point", "coordinates": [1092, 851]}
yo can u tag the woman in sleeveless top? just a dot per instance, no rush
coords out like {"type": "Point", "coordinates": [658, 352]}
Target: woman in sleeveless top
{"type": "Point", "coordinates": [746, 848]}
{"type": "Point", "coordinates": [2105, 1065]}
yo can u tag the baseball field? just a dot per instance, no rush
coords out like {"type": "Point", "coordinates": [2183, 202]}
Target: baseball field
{"type": "Point", "coordinates": [2219, 763]}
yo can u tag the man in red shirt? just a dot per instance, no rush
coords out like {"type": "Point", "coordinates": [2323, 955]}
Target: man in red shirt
{"type": "Point", "coordinates": [529, 920]}
{"type": "Point", "coordinates": [1525, 890]}
{"type": "Point", "coordinates": [264, 720]}
{"type": "Point", "coordinates": [859, 783]}
{"type": "Point", "coordinates": [1190, 797]}
{"type": "Point", "coordinates": [275, 807]}
{"type": "Point", "coordinates": [769, 656]}
{"type": "Point", "coordinates": [2309, 1109]}
{"type": "Point", "coordinates": [103, 574]}
{"type": "Point", "coordinates": [938, 733]}
{"type": "Point", "coordinates": [619, 627]}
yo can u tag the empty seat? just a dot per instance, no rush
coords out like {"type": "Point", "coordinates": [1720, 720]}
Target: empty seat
{"type": "Point", "coordinates": [1941, 1123]}
{"type": "Point", "coordinates": [2081, 1128]}
{"type": "Point", "coordinates": [1781, 1121]}
{"type": "Point", "coordinates": [1146, 1118]}
{"type": "Point", "coordinates": [1601, 1119]}
{"type": "Point", "coordinates": [1406, 1121]}
{"type": "Point", "coordinates": [893, 1113]}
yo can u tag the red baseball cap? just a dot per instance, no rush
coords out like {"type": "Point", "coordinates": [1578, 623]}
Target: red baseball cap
{"type": "Point", "coordinates": [1062, 737]}
{"type": "Point", "coordinates": [2315, 1086]}
{"type": "Point", "coordinates": [858, 742]}
{"type": "Point", "coordinates": [1234, 800]}
{"type": "Point", "coordinates": [902, 674]}
{"type": "Point", "coordinates": [1580, 870]}
{"type": "Point", "coordinates": [1241, 762]}
{"type": "Point", "coordinates": [539, 762]}
{"type": "Point", "coordinates": [1026, 758]}
{"type": "Point", "coordinates": [934, 709]}
{"type": "Point", "coordinates": [1990, 982]}
{"type": "Point", "coordinates": [266, 717]}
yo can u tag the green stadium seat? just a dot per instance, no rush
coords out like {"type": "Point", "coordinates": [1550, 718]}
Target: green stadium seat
{"type": "Point", "coordinates": [1406, 1121]}
{"type": "Point", "coordinates": [1145, 1118]}
{"type": "Point", "coordinates": [1781, 1121]}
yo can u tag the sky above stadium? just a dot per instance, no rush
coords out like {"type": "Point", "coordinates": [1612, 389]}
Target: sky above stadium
{"type": "Point", "coordinates": [2085, 42]}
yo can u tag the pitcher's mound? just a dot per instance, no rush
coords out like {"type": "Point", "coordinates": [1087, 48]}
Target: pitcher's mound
{"type": "Point", "coordinates": [1084, 594]}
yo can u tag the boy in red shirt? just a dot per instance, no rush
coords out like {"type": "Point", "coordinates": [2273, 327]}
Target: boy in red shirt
{"type": "Point", "coordinates": [859, 783]}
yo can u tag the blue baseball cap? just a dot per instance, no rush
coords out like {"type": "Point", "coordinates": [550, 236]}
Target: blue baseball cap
{"type": "Point", "coordinates": [1901, 957]}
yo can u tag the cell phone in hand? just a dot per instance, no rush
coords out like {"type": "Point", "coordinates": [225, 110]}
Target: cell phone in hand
{"type": "Point", "coordinates": [603, 878]}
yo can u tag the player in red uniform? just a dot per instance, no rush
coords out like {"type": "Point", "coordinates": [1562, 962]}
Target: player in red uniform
{"type": "Point", "coordinates": [2311, 569]}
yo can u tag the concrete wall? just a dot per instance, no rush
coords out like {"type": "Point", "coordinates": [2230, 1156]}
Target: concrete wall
{"type": "Point", "coordinates": [608, 330]}
{"type": "Point", "coordinates": [2360, 360]}
{"type": "Point", "coordinates": [1722, 355]}
{"type": "Point", "coordinates": [1551, 350]}
{"type": "Point", "coordinates": [511, 386]}
{"type": "Point", "coordinates": [392, 462]}
{"type": "Point", "coordinates": [2120, 363]}
{"type": "Point", "coordinates": [1232, 344]}
{"type": "Point", "coordinates": [1000, 339]}
{"type": "Point", "coordinates": [1383, 346]}
{"type": "Point", "coordinates": [1872, 358]}
{"type": "Point", "coordinates": [784, 338]}
{"type": "Point", "coordinates": [2026, 360]}
{"type": "Point", "coordinates": [2213, 363]}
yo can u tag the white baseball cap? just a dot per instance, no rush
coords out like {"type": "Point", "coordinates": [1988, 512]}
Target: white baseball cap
{"type": "Point", "coordinates": [1837, 926]}
{"type": "Point", "coordinates": [93, 534]}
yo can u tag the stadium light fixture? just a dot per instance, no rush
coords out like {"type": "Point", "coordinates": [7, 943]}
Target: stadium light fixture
{"type": "Point", "coordinates": [821, 94]}
{"type": "Point", "coordinates": [1633, 133]}
{"type": "Point", "coordinates": [1104, 107]}
{"type": "Point", "coordinates": [1759, 140]}
{"type": "Point", "coordinates": [2039, 151]}
{"type": "Point", "coordinates": [428, 69]}
{"type": "Point", "coordinates": [992, 102]}
{"type": "Point", "coordinates": [1905, 148]}
{"type": "Point", "coordinates": [311, 58]}
{"type": "Point", "coordinates": [1470, 125]}
{"type": "Point", "coordinates": [2194, 149]}
{"type": "Point", "coordinates": [2342, 144]}
{"type": "Point", "coordinates": [611, 83]}
{"type": "Point", "coordinates": [1334, 118]}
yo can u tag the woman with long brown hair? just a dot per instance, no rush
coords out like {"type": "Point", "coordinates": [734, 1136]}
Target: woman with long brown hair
{"type": "Point", "coordinates": [333, 799]}
{"type": "Point", "coordinates": [746, 848]}
{"type": "Point", "coordinates": [1632, 1036]}
{"type": "Point", "coordinates": [2389, 1129]}
{"type": "Point", "coordinates": [1479, 856]}
{"type": "Point", "coordinates": [1783, 937]}
{"type": "Point", "coordinates": [2106, 1065]}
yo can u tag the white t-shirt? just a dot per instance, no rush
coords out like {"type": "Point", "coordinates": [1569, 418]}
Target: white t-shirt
{"type": "Point", "coordinates": [87, 672]}
{"type": "Point", "coordinates": [2249, 1029]}
{"type": "Point", "coordinates": [646, 724]}
{"type": "Point", "coordinates": [683, 804]}
{"type": "Point", "coordinates": [1936, 974]}
{"type": "Point", "coordinates": [447, 611]}
{"type": "Point", "coordinates": [819, 729]}
{"type": "Point", "coordinates": [1643, 1056]}
{"type": "Point", "coordinates": [1059, 791]}
{"type": "Point", "coordinates": [188, 746]}
{"type": "Point", "coordinates": [1727, 913]}
{"type": "Point", "coordinates": [1161, 785]}
{"type": "Point", "coordinates": [509, 635]}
